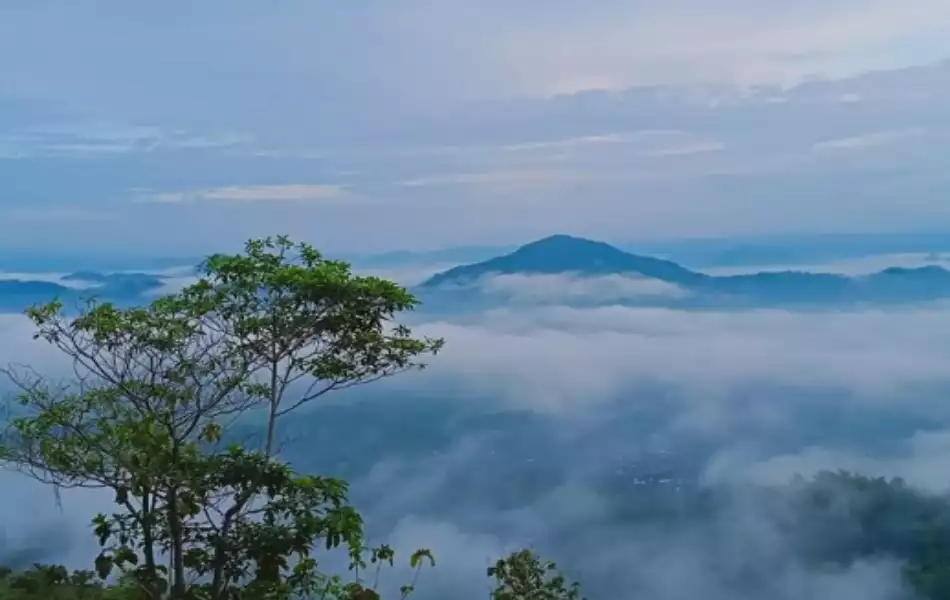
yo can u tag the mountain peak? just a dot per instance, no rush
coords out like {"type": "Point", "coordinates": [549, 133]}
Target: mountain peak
{"type": "Point", "coordinates": [561, 238]}
{"type": "Point", "coordinates": [562, 253]}
{"type": "Point", "coordinates": [561, 245]}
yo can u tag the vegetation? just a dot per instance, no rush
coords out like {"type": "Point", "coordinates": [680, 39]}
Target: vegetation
{"type": "Point", "coordinates": [849, 517]}
{"type": "Point", "coordinates": [147, 415]}
{"type": "Point", "coordinates": [522, 575]}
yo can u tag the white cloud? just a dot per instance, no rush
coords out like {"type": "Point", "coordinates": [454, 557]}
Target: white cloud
{"type": "Point", "coordinates": [651, 143]}
{"type": "Point", "coordinates": [259, 193]}
{"type": "Point", "coordinates": [562, 359]}
{"type": "Point", "coordinates": [690, 148]}
{"type": "Point", "coordinates": [585, 366]}
{"type": "Point", "coordinates": [637, 138]}
{"type": "Point", "coordinates": [23, 350]}
{"type": "Point", "coordinates": [864, 265]}
{"type": "Point", "coordinates": [621, 44]}
{"type": "Point", "coordinates": [558, 289]}
{"type": "Point", "coordinates": [920, 460]}
{"type": "Point", "coordinates": [506, 179]}
{"type": "Point", "coordinates": [424, 54]}
{"type": "Point", "coordinates": [869, 140]}
{"type": "Point", "coordinates": [59, 526]}
{"type": "Point", "coordinates": [530, 168]}
{"type": "Point", "coordinates": [566, 144]}
{"type": "Point", "coordinates": [103, 140]}
{"type": "Point", "coordinates": [752, 377]}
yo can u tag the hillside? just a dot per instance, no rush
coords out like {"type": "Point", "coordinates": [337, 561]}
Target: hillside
{"type": "Point", "coordinates": [122, 288]}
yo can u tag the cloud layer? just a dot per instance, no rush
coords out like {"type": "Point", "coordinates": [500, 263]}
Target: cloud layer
{"type": "Point", "coordinates": [586, 355]}
{"type": "Point", "coordinates": [569, 287]}
{"type": "Point", "coordinates": [537, 423]}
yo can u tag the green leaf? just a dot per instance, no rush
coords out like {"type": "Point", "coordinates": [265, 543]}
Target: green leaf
{"type": "Point", "coordinates": [416, 559]}
{"type": "Point", "coordinates": [103, 566]}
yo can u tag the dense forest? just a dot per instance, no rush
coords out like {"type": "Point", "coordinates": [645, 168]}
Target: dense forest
{"type": "Point", "coordinates": [265, 332]}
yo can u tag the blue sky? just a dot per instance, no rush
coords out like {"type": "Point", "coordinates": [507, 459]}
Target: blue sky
{"type": "Point", "coordinates": [184, 127]}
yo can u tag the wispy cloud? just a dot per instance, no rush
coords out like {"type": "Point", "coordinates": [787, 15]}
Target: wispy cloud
{"type": "Point", "coordinates": [648, 142]}
{"type": "Point", "coordinates": [504, 178]}
{"type": "Point", "coordinates": [91, 140]}
{"type": "Point", "coordinates": [689, 148]}
{"type": "Point", "coordinates": [869, 140]}
{"type": "Point", "coordinates": [258, 193]}
{"type": "Point", "coordinates": [585, 140]}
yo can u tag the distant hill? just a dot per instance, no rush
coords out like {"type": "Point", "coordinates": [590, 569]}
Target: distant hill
{"type": "Point", "coordinates": [583, 258]}
{"type": "Point", "coordinates": [121, 284]}
{"type": "Point", "coordinates": [791, 249]}
{"type": "Point", "coordinates": [17, 295]}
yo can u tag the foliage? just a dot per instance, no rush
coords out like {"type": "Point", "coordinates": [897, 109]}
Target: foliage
{"type": "Point", "coordinates": [296, 317]}
{"type": "Point", "coordinates": [522, 575]}
{"type": "Point", "coordinates": [54, 583]}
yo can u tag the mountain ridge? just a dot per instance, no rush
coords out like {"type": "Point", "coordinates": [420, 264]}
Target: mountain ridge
{"type": "Point", "coordinates": [581, 257]}
{"type": "Point", "coordinates": [122, 288]}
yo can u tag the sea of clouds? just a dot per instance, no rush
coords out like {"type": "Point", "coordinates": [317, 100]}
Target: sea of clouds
{"type": "Point", "coordinates": [529, 429]}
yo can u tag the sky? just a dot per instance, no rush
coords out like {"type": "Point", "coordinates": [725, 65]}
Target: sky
{"type": "Point", "coordinates": [181, 128]}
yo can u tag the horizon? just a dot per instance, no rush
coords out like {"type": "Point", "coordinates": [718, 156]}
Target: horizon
{"type": "Point", "coordinates": [800, 239]}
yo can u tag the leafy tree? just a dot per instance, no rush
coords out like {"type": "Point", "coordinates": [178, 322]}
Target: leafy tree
{"type": "Point", "coordinates": [523, 575]}
{"type": "Point", "coordinates": [154, 391]}
{"type": "Point", "coordinates": [297, 318]}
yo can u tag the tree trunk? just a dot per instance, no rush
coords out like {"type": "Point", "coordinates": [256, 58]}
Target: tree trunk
{"type": "Point", "coordinates": [148, 545]}
{"type": "Point", "coordinates": [177, 554]}
{"type": "Point", "coordinates": [274, 404]}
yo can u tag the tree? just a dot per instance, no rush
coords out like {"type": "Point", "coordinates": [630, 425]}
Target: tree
{"type": "Point", "coordinates": [523, 575]}
{"type": "Point", "coordinates": [155, 388]}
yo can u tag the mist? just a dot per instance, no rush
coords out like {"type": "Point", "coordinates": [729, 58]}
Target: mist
{"type": "Point", "coordinates": [646, 450]}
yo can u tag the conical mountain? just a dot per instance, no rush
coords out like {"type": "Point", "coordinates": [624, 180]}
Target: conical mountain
{"type": "Point", "coordinates": [568, 254]}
